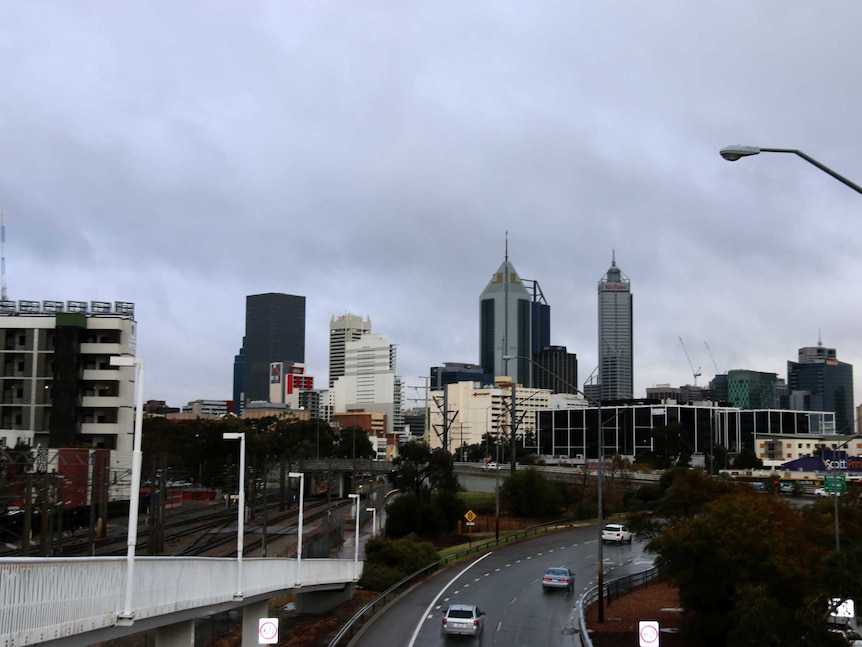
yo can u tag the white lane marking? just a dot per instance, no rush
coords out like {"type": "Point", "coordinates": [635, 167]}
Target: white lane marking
{"type": "Point", "coordinates": [437, 597]}
{"type": "Point", "coordinates": [499, 624]}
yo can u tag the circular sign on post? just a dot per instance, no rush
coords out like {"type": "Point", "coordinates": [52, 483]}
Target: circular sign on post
{"type": "Point", "coordinates": [648, 633]}
{"type": "Point", "coordinates": [267, 631]}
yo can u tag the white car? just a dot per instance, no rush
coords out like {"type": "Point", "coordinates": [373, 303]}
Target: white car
{"type": "Point", "coordinates": [616, 532]}
{"type": "Point", "coordinates": [492, 466]}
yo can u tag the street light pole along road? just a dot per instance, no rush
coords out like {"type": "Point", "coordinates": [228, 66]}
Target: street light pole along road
{"type": "Point", "coordinates": [240, 523]}
{"type": "Point", "coordinates": [127, 616]}
{"type": "Point", "coordinates": [734, 153]}
{"type": "Point", "coordinates": [599, 472]}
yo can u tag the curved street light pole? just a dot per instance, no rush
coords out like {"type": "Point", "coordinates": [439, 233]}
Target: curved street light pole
{"type": "Point", "coordinates": [733, 153]}
{"type": "Point", "coordinates": [599, 472]}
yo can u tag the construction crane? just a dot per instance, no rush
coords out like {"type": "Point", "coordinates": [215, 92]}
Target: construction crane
{"type": "Point", "coordinates": [694, 374]}
{"type": "Point", "coordinates": [708, 350]}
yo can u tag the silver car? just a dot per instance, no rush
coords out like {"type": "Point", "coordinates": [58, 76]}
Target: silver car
{"type": "Point", "coordinates": [558, 577]}
{"type": "Point", "coordinates": [463, 620]}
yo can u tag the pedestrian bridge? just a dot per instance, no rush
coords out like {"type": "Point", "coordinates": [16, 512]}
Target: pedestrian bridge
{"type": "Point", "coordinates": [81, 601]}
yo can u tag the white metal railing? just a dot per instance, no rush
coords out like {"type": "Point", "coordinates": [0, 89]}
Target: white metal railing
{"type": "Point", "coordinates": [48, 598]}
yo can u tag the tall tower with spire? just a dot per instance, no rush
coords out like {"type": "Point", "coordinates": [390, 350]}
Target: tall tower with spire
{"type": "Point", "coordinates": [615, 334]}
{"type": "Point", "coordinates": [504, 324]}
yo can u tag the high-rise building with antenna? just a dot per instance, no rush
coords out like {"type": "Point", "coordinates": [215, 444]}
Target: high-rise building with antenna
{"type": "Point", "coordinates": [505, 314]}
{"type": "Point", "coordinates": [615, 335]}
{"type": "Point", "coordinates": [3, 295]}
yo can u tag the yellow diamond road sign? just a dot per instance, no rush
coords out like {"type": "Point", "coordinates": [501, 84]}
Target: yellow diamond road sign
{"type": "Point", "coordinates": [470, 516]}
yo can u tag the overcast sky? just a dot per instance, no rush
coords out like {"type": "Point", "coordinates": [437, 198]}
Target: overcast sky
{"type": "Point", "coordinates": [371, 155]}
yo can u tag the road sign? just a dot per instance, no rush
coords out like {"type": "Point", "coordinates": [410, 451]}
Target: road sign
{"type": "Point", "coordinates": [267, 631]}
{"type": "Point", "coordinates": [835, 482]}
{"type": "Point", "coordinates": [648, 633]}
{"type": "Point", "coordinates": [470, 516]}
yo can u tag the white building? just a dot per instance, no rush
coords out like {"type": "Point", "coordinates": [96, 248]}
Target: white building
{"type": "Point", "coordinates": [58, 386]}
{"type": "Point", "coordinates": [474, 411]}
{"type": "Point", "coordinates": [369, 381]}
{"type": "Point", "coordinates": [347, 327]}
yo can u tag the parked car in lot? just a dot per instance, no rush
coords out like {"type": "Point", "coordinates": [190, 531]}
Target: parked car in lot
{"type": "Point", "coordinates": [616, 532]}
{"type": "Point", "coordinates": [823, 493]}
{"type": "Point", "coordinates": [463, 620]}
{"type": "Point", "coordinates": [558, 577]}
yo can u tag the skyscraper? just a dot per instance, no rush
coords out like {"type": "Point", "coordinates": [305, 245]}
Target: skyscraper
{"type": "Point", "coordinates": [504, 325]}
{"type": "Point", "coordinates": [347, 327]}
{"type": "Point", "coordinates": [274, 332]}
{"type": "Point", "coordinates": [615, 335]}
{"type": "Point", "coordinates": [819, 382]}
{"type": "Point", "coordinates": [369, 382]}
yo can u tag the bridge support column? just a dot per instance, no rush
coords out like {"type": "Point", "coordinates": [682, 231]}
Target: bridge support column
{"type": "Point", "coordinates": [251, 614]}
{"type": "Point", "coordinates": [181, 634]}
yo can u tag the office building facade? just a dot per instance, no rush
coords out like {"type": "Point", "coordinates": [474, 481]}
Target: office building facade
{"type": "Point", "coordinates": [274, 332]}
{"type": "Point", "coordinates": [616, 358]}
{"type": "Point", "coordinates": [58, 386]}
{"type": "Point", "coordinates": [774, 435]}
{"type": "Point", "coordinates": [370, 382]}
{"type": "Point", "coordinates": [819, 381]}
{"type": "Point", "coordinates": [347, 327]}
{"type": "Point", "coordinates": [505, 313]}
{"type": "Point", "coordinates": [555, 369]}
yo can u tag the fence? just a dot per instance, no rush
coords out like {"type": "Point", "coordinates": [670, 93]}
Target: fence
{"type": "Point", "coordinates": [614, 590]}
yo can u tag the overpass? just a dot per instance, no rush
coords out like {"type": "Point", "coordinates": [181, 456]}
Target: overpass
{"type": "Point", "coordinates": [70, 602]}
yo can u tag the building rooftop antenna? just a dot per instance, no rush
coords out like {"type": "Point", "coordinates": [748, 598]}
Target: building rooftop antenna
{"type": "Point", "coordinates": [3, 296]}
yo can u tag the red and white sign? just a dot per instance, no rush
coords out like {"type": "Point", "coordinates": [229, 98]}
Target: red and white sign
{"type": "Point", "coordinates": [267, 631]}
{"type": "Point", "coordinates": [648, 633]}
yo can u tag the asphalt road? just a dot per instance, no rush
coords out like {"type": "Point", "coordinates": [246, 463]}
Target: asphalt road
{"type": "Point", "coordinates": [506, 584]}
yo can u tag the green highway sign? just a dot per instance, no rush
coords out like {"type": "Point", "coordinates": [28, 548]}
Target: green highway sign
{"type": "Point", "coordinates": [835, 482]}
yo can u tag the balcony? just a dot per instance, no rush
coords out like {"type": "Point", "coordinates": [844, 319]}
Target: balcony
{"type": "Point", "coordinates": [95, 348]}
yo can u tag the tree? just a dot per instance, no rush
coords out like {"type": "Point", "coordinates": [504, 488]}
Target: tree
{"type": "Point", "coordinates": [527, 493]}
{"type": "Point", "coordinates": [670, 447]}
{"type": "Point", "coordinates": [353, 442]}
{"type": "Point", "coordinates": [430, 504]}
{"type": "Point", "coordinates": [746, 459]}
{"type": "Point", "coordinates": [722, 552]}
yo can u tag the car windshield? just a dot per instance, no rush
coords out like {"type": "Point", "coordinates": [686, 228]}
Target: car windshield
{"type": "Point", "coordinates": [612, 528]}
{"type": "Point", "coordinates": [556, 571]}
{"type": "Point", "coordinates": [461, 613]}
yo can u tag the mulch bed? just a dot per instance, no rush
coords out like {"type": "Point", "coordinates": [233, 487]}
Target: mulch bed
{"type": "Point", "coordinates": [659, 602]}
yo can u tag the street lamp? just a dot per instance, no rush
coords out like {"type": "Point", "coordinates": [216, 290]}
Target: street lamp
{"type": "Point", "coordinates": [733, 153]}
{"type": "Point", "coordinates": [301, 477]}
{"type": "Point", "coordinates": [599, 474]}
{"type": "Point", "coordinates": [373, 512]}
{"type": "Point", "coordinates": [835, 491]}
{"type": "Point", "coordinates": [355, 498]}
{"type": "Point", "coordinates": [128, 616]}
{"type": "Point", "coordinates": [240, 529]}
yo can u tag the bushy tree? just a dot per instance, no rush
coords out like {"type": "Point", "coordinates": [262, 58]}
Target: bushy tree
{"type": "Point", "coordinates": [751, 569]}
{"type": "Point", "coordinates": [527, 493]}
{"type": "Point", "coordinates": [388, 561]}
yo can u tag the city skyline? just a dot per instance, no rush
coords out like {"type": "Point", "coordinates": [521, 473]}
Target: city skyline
{"type": "Point", "coordinates": [371, 159]}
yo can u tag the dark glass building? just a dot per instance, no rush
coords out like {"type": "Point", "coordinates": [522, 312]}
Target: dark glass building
{"type": "Point", "coordinates": [819, 382]}
{"type": "Point", "coordinates": [452, 372]}
{"type": "Point", "coordinates": [629, 430]}
{"type": "Point", "coordinates": [555, 369]}
{"type": "Point", "coordinates": [274, 332]}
